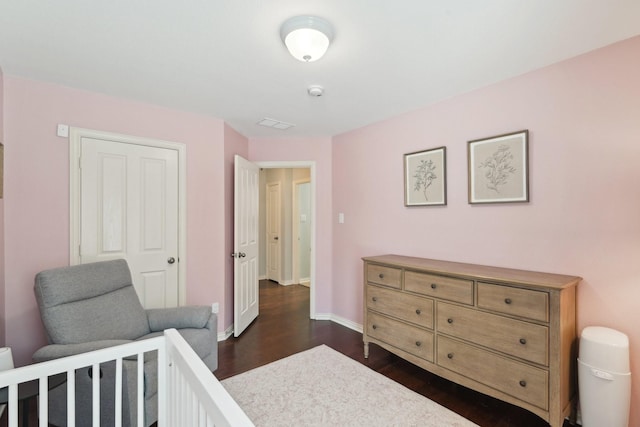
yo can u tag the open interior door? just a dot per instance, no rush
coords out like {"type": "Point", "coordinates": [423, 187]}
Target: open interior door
{"type": "Point", "coordinates": [245, 245]}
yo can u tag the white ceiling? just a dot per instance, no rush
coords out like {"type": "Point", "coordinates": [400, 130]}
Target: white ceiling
{"type": "Point", "coordinates": [224, 58]}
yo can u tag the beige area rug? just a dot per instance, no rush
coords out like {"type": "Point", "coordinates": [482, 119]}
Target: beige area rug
{"type": "Point", "coordinates": [322, 387]}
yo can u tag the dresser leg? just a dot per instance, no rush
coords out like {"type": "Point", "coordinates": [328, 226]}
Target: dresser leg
{"type": "Point", "coordinates": [573, 418]}
{"type": "Point", "coordinates": [366, 350]}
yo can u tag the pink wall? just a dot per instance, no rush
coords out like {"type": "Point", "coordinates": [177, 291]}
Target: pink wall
{"type": "Point", "coordinates": [37, 190]}
{"type": "Point", "coordinates": [319, 151]}
{"type": "Point", "coordinates": [583, 116]}
{"type": "Point", "coordinates": [234, 143]}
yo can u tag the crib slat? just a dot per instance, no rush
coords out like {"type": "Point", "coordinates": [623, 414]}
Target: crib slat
{"type": "Point", "coordinates": [118, 405]}
{"type": "Point", "coordinates": [43, 410]}
{"type": "Point", "coordinates": [13, 405]}
{"type": "Point", "coordinates": [202, 416]}
{"type": "Point", "coordinates": [71, 398]}
{"type": "Point", "coordinates": [95, 389]}
{"type": "Point", "coordinates": [140, 390]}
{"type": "Point", "coordinates": [162, 385]}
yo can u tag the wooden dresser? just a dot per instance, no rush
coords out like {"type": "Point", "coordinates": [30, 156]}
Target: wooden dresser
{"type": "Point", "coordinates": [510, 334]}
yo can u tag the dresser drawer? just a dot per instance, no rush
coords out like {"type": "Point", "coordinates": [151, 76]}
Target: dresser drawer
{"type": "Point", "coordinates": [514, 301]}
{"type": "Point", "coordinates": [411, 339]}
{"type": "Point", "coordinates": [383, 275]}
{"type": "Point", "coordinates": [403, 306]}
{"type": "Point", "coordinates": [449, 288]}
{"type": "Point", "coordinates": [524, 340]}
{"type": "Point", "coordinates": [524, 382]}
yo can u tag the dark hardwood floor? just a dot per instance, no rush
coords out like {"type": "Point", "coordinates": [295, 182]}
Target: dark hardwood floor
{"type": "Point", "coordinates": [283, 328]}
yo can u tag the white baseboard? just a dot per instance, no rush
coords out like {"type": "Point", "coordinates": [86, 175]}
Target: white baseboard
{"type": "Point", "coordinates": [322, 316]}
{"type": "Point", "coordinates": [222, 336]}
{"type": "Point", "coordinates": [340, 320]}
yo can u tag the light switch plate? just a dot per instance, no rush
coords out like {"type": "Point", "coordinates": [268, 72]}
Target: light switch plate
{"type": "Point", "coordinates": [63, 131]}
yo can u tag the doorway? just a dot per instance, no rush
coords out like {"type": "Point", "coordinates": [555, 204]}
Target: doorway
{"type": "Point", "coordinates": [297, 224]}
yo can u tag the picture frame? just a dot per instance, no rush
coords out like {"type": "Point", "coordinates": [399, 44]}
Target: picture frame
{"type": "Point", "coordinates": [425, 177]}
{"type": "Point", "coordinates": [499, 168]}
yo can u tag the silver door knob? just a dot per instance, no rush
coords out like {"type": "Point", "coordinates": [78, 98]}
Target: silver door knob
{"type": "Point", "coordinates": [171, 260]}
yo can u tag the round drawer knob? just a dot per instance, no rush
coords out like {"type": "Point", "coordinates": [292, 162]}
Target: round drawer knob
{"type": "Point", "coordinates": [523, 341]}
{"type": "Point", "coordinates": [418, 343]}
{"type": "Point", "coordinates": [433, 286]}
{"type": "Point", "coordinates": [449, 320]}
{"type": "Point", "coordinates": [523, 383]}
{"type": "Point", "coordinates": [450, 355]}
{"type": "Point", "coordinates": [374, 299]}
{"type": "Point", "coordinates": [418, 311]}
{"type": "Point", "coordinates": [507, 300]}
{"type": "Point", "coordinates": [381, 276]}
{"type": "Point", "coordinates": [374, 327]}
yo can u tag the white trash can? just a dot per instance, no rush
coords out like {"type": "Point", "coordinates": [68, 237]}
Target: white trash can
{"type": "Point", "coordinates": [604, 378]}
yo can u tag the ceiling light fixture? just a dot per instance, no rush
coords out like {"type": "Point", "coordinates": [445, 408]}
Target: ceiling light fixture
{"type": "Point", "coordinates": [315, 90]}
{"type": "Point", "coordinates": [306, 37]}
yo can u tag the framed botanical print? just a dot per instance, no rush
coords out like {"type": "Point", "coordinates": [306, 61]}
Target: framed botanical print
{"type": "Point", "coordinates": [499, 169]}
{"type": "Point", "coordinates": [425, 178]}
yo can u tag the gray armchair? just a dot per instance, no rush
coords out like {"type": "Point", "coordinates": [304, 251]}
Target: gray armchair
{"type": "Point", "coordinates": [92, 306]}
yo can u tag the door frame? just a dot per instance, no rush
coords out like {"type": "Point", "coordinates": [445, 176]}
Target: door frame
{"type": "Point", "coordinates": [295, 223]}
{"type": "Point", "coordinates": [75, 152]}
{"type": "Point", "coordinates": [311, 165]}
{"type": "Point", "coordinates": [269, 210]}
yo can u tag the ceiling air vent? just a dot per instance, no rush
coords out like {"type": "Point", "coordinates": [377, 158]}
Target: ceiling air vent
{"type": "Point", "coordinates": [276, 124]}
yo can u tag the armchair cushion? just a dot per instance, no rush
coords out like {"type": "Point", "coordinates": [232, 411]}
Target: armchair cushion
{"type": "Point", "coordinates": [56, 351]}
{"type": "Point", "coordinates": [90, 302]}
{"type": "Point", "coordinates": [178, 317]}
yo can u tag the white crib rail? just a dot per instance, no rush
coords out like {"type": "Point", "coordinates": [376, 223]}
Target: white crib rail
{"type": "Point", "coordinates": [188, 394]}
{"type": "Point", "coordinates": [194, 396]}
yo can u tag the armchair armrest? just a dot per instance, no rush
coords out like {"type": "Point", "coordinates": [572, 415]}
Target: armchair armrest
{"type": "Point", "coordinates": [56, 351]}
{"type": "Point", "coordinates": [178, 317]}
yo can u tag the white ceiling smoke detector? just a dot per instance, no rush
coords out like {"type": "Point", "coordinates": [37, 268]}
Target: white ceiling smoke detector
{"type": "Point", "coordinates": [315, 90]}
